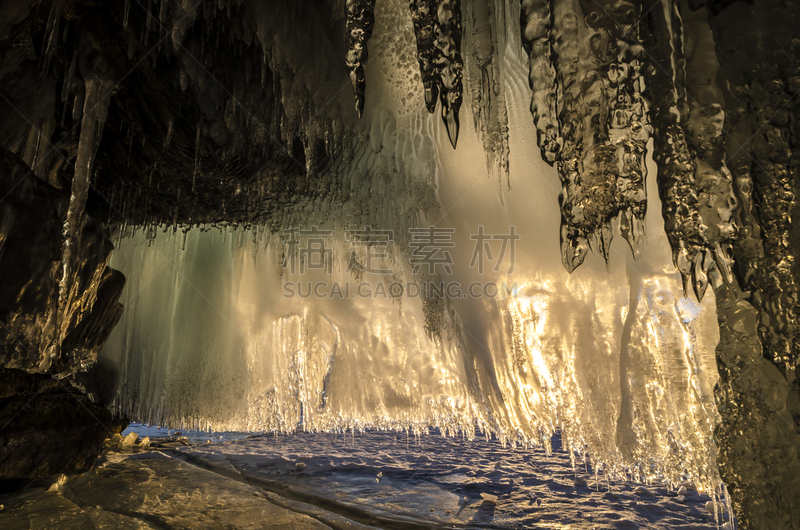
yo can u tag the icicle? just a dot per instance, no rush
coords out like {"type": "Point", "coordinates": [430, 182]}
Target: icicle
{"type": "Point", "coordinates": [591, 115]}
{"type": "Point", "coordinates": [488, 93]}
{"type": "Point", "coordinates": [162, 14]}
{"type": "Point", "coordinates": [196, 155]}
{"type": "Point", "coordinates": [51, 36]}
{"type": "Point", "coordinates": [70, 79]}
{"type": "Point", "coordinates": [536, 20]}
{"type": "Point", "coordinates": [449, 65]}
{"type": "Point", "coordinates": [127, 12]}
{"type": "Point", "coordinates": [147, 22]}
{"type": "Point", "coordinates": [94, 116]}
{"type": "Point", "coordinates": [358, 27]}
{"type": "Point", "coordinates": [77, 108]}
{"type": "Point", "coordinates": [424, 17]}
{"type": "Point", "coordinates": [170, 132]}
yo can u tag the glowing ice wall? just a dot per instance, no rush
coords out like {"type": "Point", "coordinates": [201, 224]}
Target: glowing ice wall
{"type": "Point", "coordinates": [616, 357]}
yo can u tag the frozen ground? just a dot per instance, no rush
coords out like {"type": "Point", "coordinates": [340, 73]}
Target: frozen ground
{"type": "Point", "coordinates": [383, 480]}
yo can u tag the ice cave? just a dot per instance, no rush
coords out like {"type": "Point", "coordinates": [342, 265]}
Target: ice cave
{"type": "Point", "coordinates": [400, 264]}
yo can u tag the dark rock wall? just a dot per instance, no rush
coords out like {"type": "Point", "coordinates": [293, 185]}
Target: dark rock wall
{"type": "Point", "coordinates": [49, 427]}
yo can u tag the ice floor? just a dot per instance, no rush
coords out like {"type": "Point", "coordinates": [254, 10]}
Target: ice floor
{"type": "Point", "coordinates": [380, 480]}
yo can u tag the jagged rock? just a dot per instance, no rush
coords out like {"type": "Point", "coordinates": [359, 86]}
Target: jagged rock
{"type": "Point", "coordinates": [39, 334]}
{"type": "Point", "coordinates": [50, 427]}
{"type": "Point", "coordinates": [58, 483]}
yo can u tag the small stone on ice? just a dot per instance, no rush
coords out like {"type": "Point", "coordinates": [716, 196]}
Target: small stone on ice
{"type": "Point", "coordinates": [128, 441]}
{"type": "Point", "coordinates": [299, 466]}
{"type": "Point", "coordinates": [710, 507]}
{"type": "Point", "coordinates": [641, 490]}
{"type": "Point", "coordinates": [488, 497]}
{"type": "Point", "coordinates": [144, 443]}
{"type": "Point", "coordinates": [683, 490]}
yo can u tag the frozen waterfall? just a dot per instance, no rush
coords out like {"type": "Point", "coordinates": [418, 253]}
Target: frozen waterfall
{"type": "Point", "coordinates": [614, 356]}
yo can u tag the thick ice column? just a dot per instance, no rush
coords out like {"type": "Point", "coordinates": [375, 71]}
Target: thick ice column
{"type": "Point", "coordinates": [758, 438]}
{"type": "Point", "coordinates": [757, 442]}
{"type": "Point", "coordinates": [762, 77]}
{"type": "Point", "coordinates": [359, 24]}
{"type": "Point", "coordinates": [485, 71]}
{"type": "Point", "coordinates": [536, 18]}
{"type": "Point", "coordinates": [676, 163]}
{"type": "Point", "coordinates": [712, 110]}
{"type": "Point", "coordinates": [98, 86]}
{"type": "Point", "coordinates": [706, 122]}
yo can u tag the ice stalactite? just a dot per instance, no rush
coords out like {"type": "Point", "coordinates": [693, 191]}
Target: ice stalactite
{"type": "Point", "coordinates": [695, 184]}
{"type": "Point", "coordinates": [762, 77]}
{"type": "Point", "coordinates": [537, 28]}
{"type": "Point", "coordinates": [51, 34]}
{"type": "Point", "coordinates": [449, 65]}
{"type": "Point", "coordinates": [720, 103]}
{"type": "Point", "coordinates": [95, 108]}
{"type": "Point", "coordinates": [592, 116]}
{"type": "Point", "coordinates": [359, 24]}
{"type": "Point", "coordinates": [438, 31]}
{"type": "Point", "coordinates": [760, 400]}
{"type": "Point", "coordinates": [485, 74]}
{"type": "Point", "coordinates": [424, 17]}
{"type": "Point", "coordinates": [676, 163]}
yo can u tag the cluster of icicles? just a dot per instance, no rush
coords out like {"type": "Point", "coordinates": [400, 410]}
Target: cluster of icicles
{"type": "Point", "coordinates": [437, 28]}
{"type": "Point", "coordinates": [715, 93]}
{"type": "Point", "coordinates": [590, 69]}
